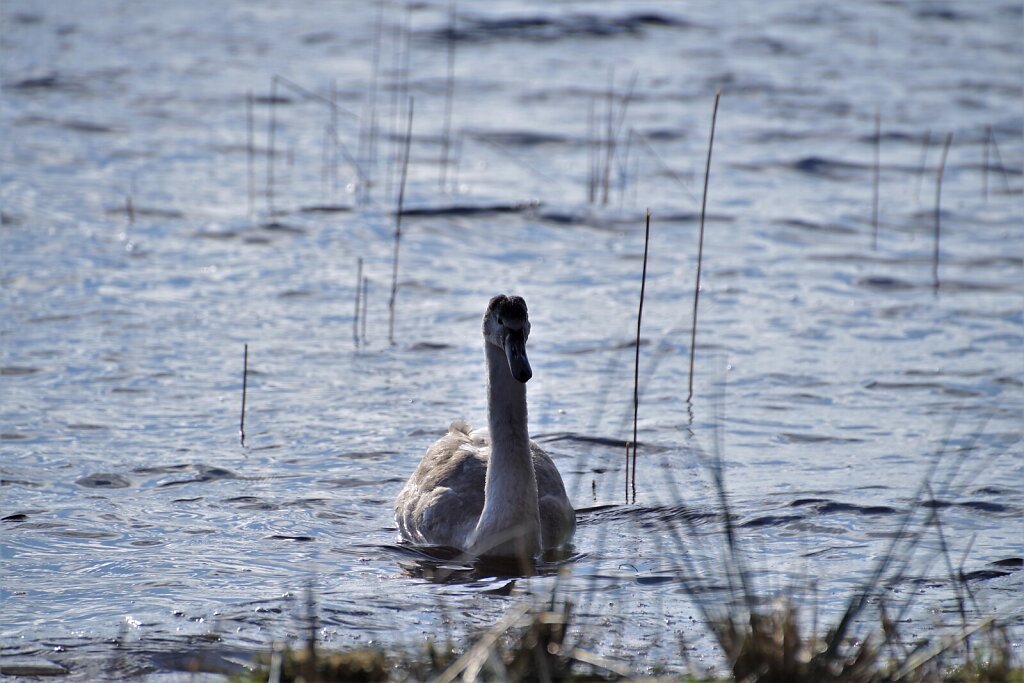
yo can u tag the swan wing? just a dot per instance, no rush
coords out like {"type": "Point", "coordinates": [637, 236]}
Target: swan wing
{"type": "Point", "coordinates": [442, 501]}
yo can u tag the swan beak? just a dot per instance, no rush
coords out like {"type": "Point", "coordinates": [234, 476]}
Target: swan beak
{"type": "Point", "coordinates": [515, 351]}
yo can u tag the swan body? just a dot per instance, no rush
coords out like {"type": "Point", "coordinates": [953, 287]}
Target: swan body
{"type": "Point", "coordinates": [494, 492]}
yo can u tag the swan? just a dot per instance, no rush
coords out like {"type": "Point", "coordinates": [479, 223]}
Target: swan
{"type": "Point", "coordinates": [495, 495]}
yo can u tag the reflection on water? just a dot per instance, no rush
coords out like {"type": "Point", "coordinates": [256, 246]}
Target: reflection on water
{"type": "Point", "coordinates": [150, 228]}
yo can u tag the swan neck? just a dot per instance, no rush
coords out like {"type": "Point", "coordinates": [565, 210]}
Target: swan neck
{"type": "Point", "coordinates": [509, 524]}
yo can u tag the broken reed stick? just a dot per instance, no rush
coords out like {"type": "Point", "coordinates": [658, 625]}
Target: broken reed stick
{"type": "Point", "coordinates": [366, 287]}
{"type": "Point", "coordinates": [368, 136]}
{"type": "Point", "coordinates": [333, 175]}
{"type": "Point", "coordinates": [875, 181]}
{"type": "Point", "coordinates": [921, 165]}
{"type": "Point", "coordinates": [398, 223]}
{"type": "Point", "coordinates": [359, 284]}
{"type": "Point", "coordinates": [449, 96]}
{"type": "Point", "coordinates": [245, 384]}
{"type": "Point", "coordinates": [610, 101]}
{"type": "Point", "coordinates": [636, 366]}
{"type": "Point", "coordinates": [984, 164]}
{"type": "Point", "coordinates": [700, 243]}
{"type": "Point", "coordinates": [999, 162]}
{"type": "Point", "coordinates": [250, 145]}
{"type": "Point", "coordinates": [938, 202]}
{"type": "Point", "coordinates": [593, 151]}
{"type": "Point", "coordinates": [271, 126]}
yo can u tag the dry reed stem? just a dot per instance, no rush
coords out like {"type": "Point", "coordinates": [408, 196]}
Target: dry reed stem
{"type": "Point", "coordinates": [449, 96]}
{"type": "Point", "coordinates": [245, 386]}
{"type": "Point", "coordinates": [938, 210]}
{"type": "Point", "coordinates": [250, 152]}
{"type": "Point", "coordinates": [398, 223]}
{"type": "Point", "coordinates": [875, 180]}
{"type": "Point", "coordinates": [359, 283]}
{"type": "Point", "coordinates": [271, 126]}
{"type": "Point", "coordinates": [636, 367]}
{"type": "Point", "coordinates": [921, 165]}
{"type": "Point", "coordinates": [366, 288]}
{"type": "Point", "coordinates": [984, 165]}
{"type": "Point", "coordinates": [700, 243]}
{"type": "Point", "coordinates": [129, 209]}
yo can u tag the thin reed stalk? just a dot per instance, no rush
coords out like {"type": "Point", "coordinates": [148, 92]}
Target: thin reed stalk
{"type": "Point", "coordinates": [250, 151]}
{"type": "Point", "coordinates": [368, 132]}
{"type": "Point", "coordinates": [129, 209]}
{"type": "Point", "coordinates": [359, 285]}
{"type": "Point", "coordinates": [875, 180]}
{"type": "Point", "coordinates": [449, 96]}
{"type": "Point", "coordinates": [984, 163]}
{"type": "Point", "coordinates": [366, 289]}
{"type": "Point", "coordinates": [593, 150]}
{"type": "Point", "coordinates": [999, 161]}
{"type": "Point", "coordinates": [938, 211]}
{"type": "Point", "coordinates": [245, 386]}
{"type": "Point", "coordinates": [922, 164]}
{"type": "Point", "coordinates": [636, 366]}
{"type": "Point", "coordinates": [700, 243]}
{"type": "Point", "coordinates": [398, 223]}
{"type": "Point", "coordinates": [333, 176]}
{"type": "Point", "coordinates": [609, 104]}
{"type": "Point", "coordinates": [271, 127]}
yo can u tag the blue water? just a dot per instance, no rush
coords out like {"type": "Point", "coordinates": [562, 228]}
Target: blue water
{"type": "Point", "coordinates": [834, 374]}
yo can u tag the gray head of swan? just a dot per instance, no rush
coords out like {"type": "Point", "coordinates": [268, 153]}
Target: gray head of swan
{"type": "Point", "coordinates": [507, 326]}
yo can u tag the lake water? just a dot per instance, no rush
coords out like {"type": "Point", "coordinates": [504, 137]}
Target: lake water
{"type": "Point", "coordinates": [140, 253]}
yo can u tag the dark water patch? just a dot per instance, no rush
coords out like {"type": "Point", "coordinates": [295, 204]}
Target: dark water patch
{"type": "Point", "coordinates": [977, 505]}
{"type": "Point", "coordinates": [885, 283]}
{"type": "Point", "coordinates": [941, 12]}
{"type": "Point", "coordinates": [20, 482]}
{"type": "Point", "coordinates": [356, 482]}
{"type": "Point", "coordinates": [13, 436]}
{"type": "Point", "coordinates": [517, 138]}
{"type": "Point", "coordinates": [823, 167]}
{"type": "Point", "coordinates": [146, 212]}
{"type": "Point", "coordinates": [797, 437]}
{"type": "Point", "coordinates": [86, 426]}
{"type": "Point", "coordinates": [31, 666]}
{"type": "Point", "coordinates": [811, 226]}
{"type": "Point", "coordinates": [545, 28]}
{"type": "Point", "coordinates": [275, 100]}
{"type": "Point", "coordinates": [581, 438]}
{"type": "Point", "coordinates": [203, 473]}
{"type": "Point", "coordinates": [76, 533]}
{"type": "Point", "coordinates": [1010, 562]}
{"type": "Point", "coordinates": [44, 82]}
{"type": "Point", "coordinates": [983, 575]}
{"type": "Point", "coordinates": [430, 346]}
{"type": "Point", "coordinates": [215, 234]}
{"type": "Point", "coordinates": [251, 503]}
{"type": "Point", "coordinates": [18, 370]}
{"type": "Point", "coordinates": [294, 294]}
{"type": "Point", "coordinates": [16, 517]}
{"type": "Point", "coordinates": [104, 480]}
{"type": "Point", "coordinates": [923, 386]}
{"type": "Point", "coordinates": [318, 37]}
{"type": "Point", "coordinates": [824, 506]}
{"type": "Point", "coordinates": [298, 539]}
{"type": "Point", "coordinates": [656, 516]}
{"type": "Point", "coordinates": [279, 227]}
{"type": "Point", "coordinates": [463, 210]}
{"type": "Point", "coordinates": [326, 208]}
{"type": "Point", "coordinates": [770, 520]}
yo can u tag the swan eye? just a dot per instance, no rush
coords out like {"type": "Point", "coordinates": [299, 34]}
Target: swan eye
{"type": "Point", "coordinates": [500, 321]}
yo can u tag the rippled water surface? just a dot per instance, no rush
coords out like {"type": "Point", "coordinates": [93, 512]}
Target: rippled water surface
{"type": "Point", "coordinates": [141, 251]}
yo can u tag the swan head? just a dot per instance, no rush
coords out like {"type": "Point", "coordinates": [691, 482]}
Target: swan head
{"type": "Point", "coordinates": [507, 326]}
